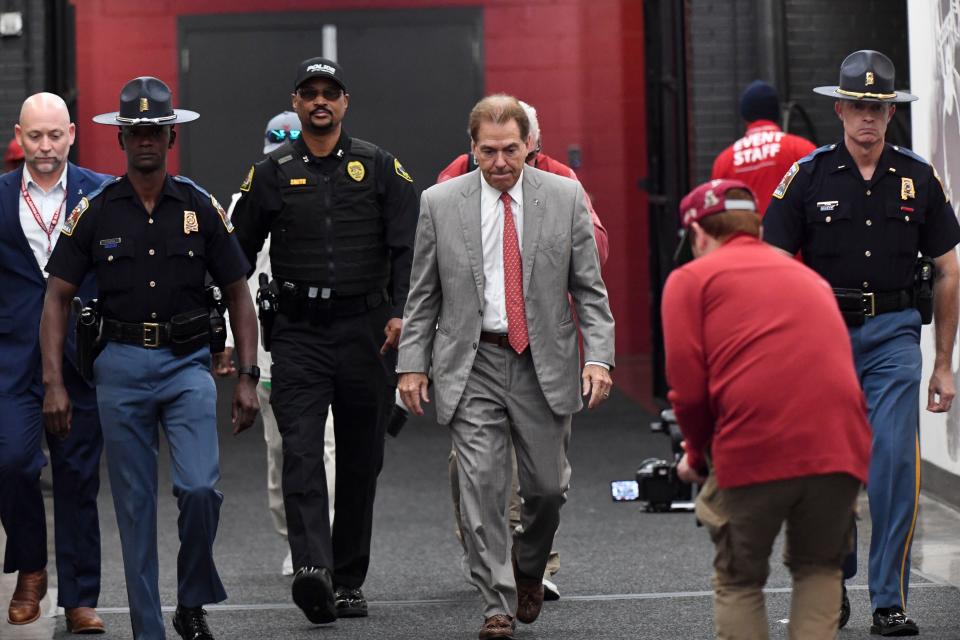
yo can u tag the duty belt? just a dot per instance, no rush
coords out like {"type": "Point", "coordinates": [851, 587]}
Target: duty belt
{"type": "Point", "coordinates": [296, 300]}
{"type": "Point", "coordinates": [856, 304]}
{"type": "Point", "coordinates": [151, 335]}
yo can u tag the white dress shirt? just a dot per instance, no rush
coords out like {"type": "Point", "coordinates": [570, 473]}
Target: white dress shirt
{"type": "Point", "coordinates": [491, 237]}
{"type": "Point", "coordinates": [47, 203]}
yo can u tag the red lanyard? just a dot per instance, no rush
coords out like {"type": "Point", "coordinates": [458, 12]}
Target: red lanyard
{"type": "Point", "coordinates": [36, 214]}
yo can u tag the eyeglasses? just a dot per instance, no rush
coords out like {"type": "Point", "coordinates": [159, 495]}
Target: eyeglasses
{"type": "Point", "coordinates": [310, 93]}
{"type": "Point", "coordinates": [279, 135]}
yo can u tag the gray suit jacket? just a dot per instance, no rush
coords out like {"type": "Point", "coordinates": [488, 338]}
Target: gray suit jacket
{"type": "Point", "coordinates": [441, 321]}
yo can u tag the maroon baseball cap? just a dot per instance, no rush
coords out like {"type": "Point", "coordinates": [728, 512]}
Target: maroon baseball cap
{"type": "Point", "coordinates": [707, 199]}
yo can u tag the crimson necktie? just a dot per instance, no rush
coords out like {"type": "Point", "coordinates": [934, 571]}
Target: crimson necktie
{"type": "Point", "coordinates": [513, 280]}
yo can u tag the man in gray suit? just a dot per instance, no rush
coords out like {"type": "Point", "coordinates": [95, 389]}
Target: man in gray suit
{"type": "Point", "coordinates": [497, 253]}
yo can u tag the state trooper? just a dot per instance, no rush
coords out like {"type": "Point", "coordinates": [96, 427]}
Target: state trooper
{"type": "Point", "coordinates": [151, 238]}
{"type": "Point", "coordinates": [860, 211]}
{"type": "Point", "coordinates": [341, 214]}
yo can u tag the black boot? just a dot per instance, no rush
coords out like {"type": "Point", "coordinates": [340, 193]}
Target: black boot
{"type": "Point", "coordinates": [893, 622]}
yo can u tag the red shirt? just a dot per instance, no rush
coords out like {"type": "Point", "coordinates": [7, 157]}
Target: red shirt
{"type": "Point", "coordinates": [545, 163]}
{"type": "Point", "coordinates": [760, 158]}
{"type": "Point", "coordinates": [761, 368]}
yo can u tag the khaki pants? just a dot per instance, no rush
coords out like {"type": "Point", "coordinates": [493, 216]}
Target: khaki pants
{"type": "Point", "coordinates": [743, 523]}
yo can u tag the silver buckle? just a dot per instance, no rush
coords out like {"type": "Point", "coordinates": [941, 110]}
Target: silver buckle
{"type": "Point", "coordinates": [872, 311]}
{"type": "Point", "coordinates": [151, 335]}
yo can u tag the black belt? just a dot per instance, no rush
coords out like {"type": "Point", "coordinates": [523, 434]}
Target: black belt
{"type": "Point", "coordinates": [151, 335]}
{"type": "Point", "coordinates": [297, 299]}
{"type": "Point", "coordinates": [499, 339]}
{"type": "Point", "coordinates": [873, 303]}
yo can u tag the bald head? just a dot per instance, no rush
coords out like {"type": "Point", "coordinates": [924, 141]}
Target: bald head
{"type": "Point", "coordinates": [46, 135]}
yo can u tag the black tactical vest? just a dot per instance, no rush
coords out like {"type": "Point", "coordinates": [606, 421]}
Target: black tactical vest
{"type": "Point", "coordinates": [330, 232]}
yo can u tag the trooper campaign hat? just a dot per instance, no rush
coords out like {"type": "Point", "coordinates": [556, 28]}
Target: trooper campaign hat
{"type": "Point", "coordinates": [706, 200]}
{"type": "Point", "coordinates": [146, 101]}
{"type": "Point", "coordinates": [319, 68]}
{"type": "Point", "coordinates": [868, 76]}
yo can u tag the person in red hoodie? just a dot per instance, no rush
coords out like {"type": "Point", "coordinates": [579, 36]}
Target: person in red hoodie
{"type": "Point", "coordinates": [774, 421]}
{"type": "Point", "coordinates": [765, 152]}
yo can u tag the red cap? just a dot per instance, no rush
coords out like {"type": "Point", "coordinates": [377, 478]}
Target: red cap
{"type": "Point", "coordinates": [710, 198]}
{"type": "Point", "coordinates": [14, 152]}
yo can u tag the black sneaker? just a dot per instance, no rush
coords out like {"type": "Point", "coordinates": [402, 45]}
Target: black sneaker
{"type": "Point", "coordinates": [350, 603]}
{"type": "Point", "coordinates": [844, 608]}
{"type": "Point", "coordinates": [191, 624]}
{"type": "Point", "coordinates": [313, 593]}
{"type": "Point", "coordinates": [893, 622]}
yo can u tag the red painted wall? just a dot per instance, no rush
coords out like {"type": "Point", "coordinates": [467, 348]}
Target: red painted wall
{"type": "Point", "coordinates": [579, 62]}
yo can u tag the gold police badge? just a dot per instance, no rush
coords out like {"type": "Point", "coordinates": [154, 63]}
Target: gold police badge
{"type": "Point", "coordinates": [907, 190]}
{"type": "Point", "coordinates": [355, 170]}
{"type": "Point", "coordinates": [71, 223]}
{"type": "Point", "coordinates": [144, 105]}
{"type": "Point", "coordinates": [190, 222]}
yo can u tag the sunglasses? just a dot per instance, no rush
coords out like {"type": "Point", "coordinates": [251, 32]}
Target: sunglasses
{"type": "Point", "coordinates": [310, 93]}
{"type": "Point", "coordinates": [279, 135]}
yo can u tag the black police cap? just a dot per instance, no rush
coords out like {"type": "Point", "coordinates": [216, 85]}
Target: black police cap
{"type": "Point", "coordinates": [868, 76]}
{"type": "Point", "coordinates": [319, 68]}
{"type": "Point", "coordinates": [146, 101]}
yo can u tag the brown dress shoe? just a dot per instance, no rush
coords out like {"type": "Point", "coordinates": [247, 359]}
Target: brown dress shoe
{"type": "Point", "coordinates": [25, 603]}
{"type": "Point", "coordinates": [529, 593]}
{"type": "Point", "coordinates": [499, 627]}
{"type": "Point", "coordinates": [84, 620]}
{"type": "Point", "coordinates": [529, 599]}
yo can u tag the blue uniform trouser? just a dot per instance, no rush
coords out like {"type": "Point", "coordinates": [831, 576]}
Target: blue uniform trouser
{"type": "Point", "coordinates": [886, 351]}
{"type": "Point", "coordinates": [76, 481]}
{"type": "Point", "coordinates": [138, 390]}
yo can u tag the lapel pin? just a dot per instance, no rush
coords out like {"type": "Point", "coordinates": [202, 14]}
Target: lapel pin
{"type": "Point", "coordinates": [536, 201]}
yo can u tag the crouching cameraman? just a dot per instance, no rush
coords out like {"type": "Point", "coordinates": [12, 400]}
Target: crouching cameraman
{"type": "Point", "coordinates": [774, 422]}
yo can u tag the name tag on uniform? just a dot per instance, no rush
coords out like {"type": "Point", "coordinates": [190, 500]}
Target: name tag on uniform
{"type": "Point", "coordinates": [110, 243]}
{"type": "Point", "coordinates": [828, 205]}
{"type": "Point", "coordinates": [297, 181]}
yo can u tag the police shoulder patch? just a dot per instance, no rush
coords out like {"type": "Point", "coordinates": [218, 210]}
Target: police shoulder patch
{"type": "Point", "coordinates": [942, 188]}
{"type": "Point", "coordinates": [401, 171]}
{"type": "Point", "coordinates": [71, 222]}
{"type": "Point", "coordinates": [223, 214]}
{"type": "Point", "coordinates": [781, 189]}
{"type": "Point", "coordinates": [248, 181]}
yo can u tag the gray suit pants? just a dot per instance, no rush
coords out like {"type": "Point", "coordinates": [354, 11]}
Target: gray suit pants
{"type": "Point", "coordinates": [503, 403]}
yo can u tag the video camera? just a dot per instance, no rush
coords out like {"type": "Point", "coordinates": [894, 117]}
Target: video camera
{"type": "Point", "coordinates": [657, 481]}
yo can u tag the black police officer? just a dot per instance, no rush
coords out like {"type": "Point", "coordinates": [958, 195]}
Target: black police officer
{"type": "Point", "coordinates": [151, 238]}
{"type": "Point", "coordinates": [342, 215]}
{"type": "Point", "coordinates": [859, 211]}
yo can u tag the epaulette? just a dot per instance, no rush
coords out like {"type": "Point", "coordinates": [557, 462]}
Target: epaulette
{"type": "Point", "coordinates": [213, 201]}
{"type": "Point", "coordinates": [186, 180]}
{"type": "Point", "coordinates": [813, 154]}
{"type": "Point", "coordinates": [71, 222]}
{"type": "Point", "coordinates": [909, 153]}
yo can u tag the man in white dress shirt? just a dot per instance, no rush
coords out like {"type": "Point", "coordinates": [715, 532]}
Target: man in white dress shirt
{"type": "Point", "coordinates": [35, 200]}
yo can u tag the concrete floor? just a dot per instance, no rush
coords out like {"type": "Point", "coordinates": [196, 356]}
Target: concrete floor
{"type": "Point", "coordinates": [626, 574]}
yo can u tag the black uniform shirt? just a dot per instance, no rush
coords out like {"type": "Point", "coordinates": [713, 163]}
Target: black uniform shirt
{"type": "Point", "coordinates": [856, 233]}
{"type": "Point", "coordinates": [260, 201]}
{"type": "Point", "coordinates": [149, 267]}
